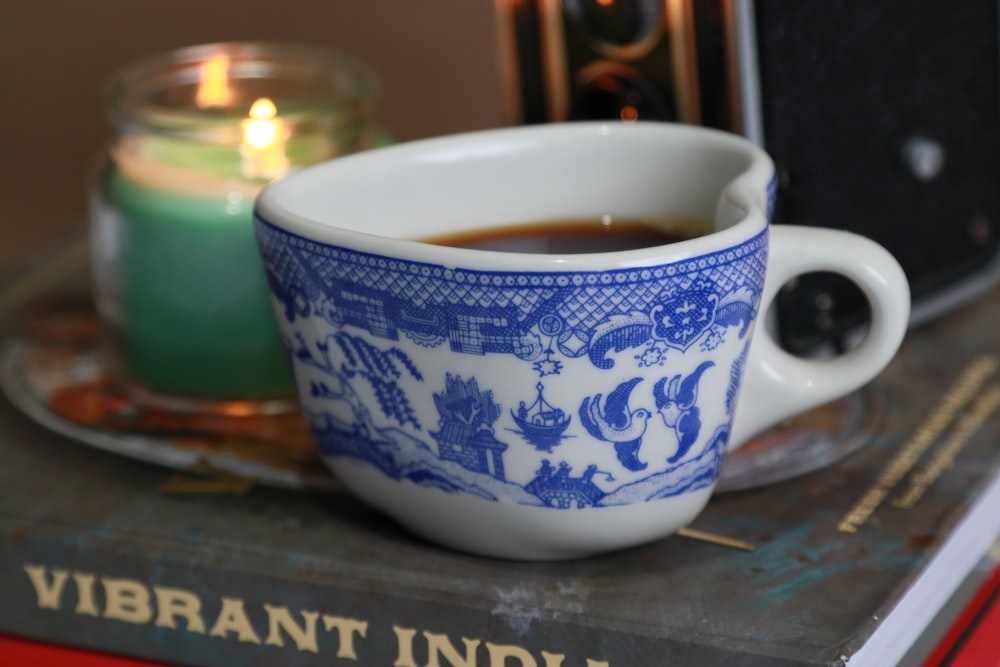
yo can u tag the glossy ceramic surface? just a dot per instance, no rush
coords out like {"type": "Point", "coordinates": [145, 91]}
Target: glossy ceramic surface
{"type": "Point", "coordinates": [547, 406]}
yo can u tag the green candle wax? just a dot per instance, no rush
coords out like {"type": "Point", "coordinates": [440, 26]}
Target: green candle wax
{"type": "Point", "coordinates": [197, 318]}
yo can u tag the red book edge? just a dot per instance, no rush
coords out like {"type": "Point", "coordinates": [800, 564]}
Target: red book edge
{"type": "Point", "coordinates": [23, 653]}
{"type": "Point", "coordinates": [974, 639]}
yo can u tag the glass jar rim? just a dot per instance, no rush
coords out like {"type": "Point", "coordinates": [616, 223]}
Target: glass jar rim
{"type": "Point", "coordinates": [155, 93]}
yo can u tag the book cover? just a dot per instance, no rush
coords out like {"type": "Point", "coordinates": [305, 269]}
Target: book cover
{"type": "Point", "coordinates": [105, 552]}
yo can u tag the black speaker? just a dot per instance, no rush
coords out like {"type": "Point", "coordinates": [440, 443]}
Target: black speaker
{"type": "Point", "coordinates": [882, 118]}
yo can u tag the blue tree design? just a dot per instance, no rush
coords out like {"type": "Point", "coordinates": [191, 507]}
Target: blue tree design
{"type": "Point", "coordinates": [359, 358]}
{"type": "Point", "coordinates": [462, 401]}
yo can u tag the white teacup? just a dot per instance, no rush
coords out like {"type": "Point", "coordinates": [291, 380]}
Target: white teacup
{"type": "Point", "coordinates": [541, 406]}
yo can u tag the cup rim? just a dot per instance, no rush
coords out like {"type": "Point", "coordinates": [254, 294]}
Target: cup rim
{"type": "Point", "coordinates": [742, 194]}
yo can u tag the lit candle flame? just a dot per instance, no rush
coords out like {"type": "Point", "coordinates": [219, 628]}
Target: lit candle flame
{"type": "Point", "coordinates": [214, 89]}
{"type": "Point", "coordinates": [261, 130]}
{"type": "Point", "coordinates": [264, 136]}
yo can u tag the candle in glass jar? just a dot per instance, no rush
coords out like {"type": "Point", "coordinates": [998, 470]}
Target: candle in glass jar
{"type": "Point", "coordinates": [178, 276]}
{"type": "Point", "coordinates": [199, 323]}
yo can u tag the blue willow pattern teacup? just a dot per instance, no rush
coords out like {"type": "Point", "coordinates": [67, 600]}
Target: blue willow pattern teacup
{"type": "Point", "coordinates": [545, 406]}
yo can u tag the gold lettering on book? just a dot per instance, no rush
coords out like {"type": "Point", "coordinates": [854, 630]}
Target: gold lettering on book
{"type": "Point", "coordinates": [944, 457]}
{"type": "Point", "coordinates": [404, 646]}
{"type": "Point", "coordinates": [233, 618]}
{"type": "Point", "coordinates": [958, 396]}
{"type": "Point", "coordinates": [85, 594]}
{"type": "Point", "coordinates": [346, 629]}
{"type": "Point", "coordinates": [136, 602]}
{"type": "Point", "coordinates": [500, 652]}
{"type": "Point", "coordinates": [48, 594]}
{"type": "Point", "coordinates": [174, 602]}
{"type": "Point", "coordinates": [439, 646]}
{"type": "Point", "coordinates": [279, 618]}
{"type": "Point", "coordinates": [126, 600]}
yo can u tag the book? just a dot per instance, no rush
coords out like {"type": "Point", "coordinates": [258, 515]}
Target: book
{"type": "Point", "coordinates": [22, 653]}
{"type": "Point", "coordinates": [980, 643]}
{"type": "Point", "coordinates": [973, 634]}
{"type": "Point", "coordinates": [104, 552]}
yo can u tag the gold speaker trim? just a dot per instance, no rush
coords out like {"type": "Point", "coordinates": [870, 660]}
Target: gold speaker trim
{"type": "Point", "coordinates": [684, 57]}
{"type": "Point", "coordinates": [633, 50]}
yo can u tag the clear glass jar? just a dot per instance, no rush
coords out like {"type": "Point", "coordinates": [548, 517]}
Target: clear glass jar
{"type": "Point", "coordinates": [179, 284]}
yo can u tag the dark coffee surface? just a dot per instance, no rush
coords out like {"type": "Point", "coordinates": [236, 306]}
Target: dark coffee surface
{"type": "Point", "coordinates": [576, 236]}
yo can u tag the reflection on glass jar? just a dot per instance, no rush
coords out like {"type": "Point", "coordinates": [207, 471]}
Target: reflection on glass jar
{"type": "Point", "coordinates": [179, 283]}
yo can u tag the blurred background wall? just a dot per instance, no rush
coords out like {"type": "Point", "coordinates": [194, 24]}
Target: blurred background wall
{"type": "Point", "coordinates": [438, 61]}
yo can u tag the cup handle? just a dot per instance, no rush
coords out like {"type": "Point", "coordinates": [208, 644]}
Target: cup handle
{"type": "Point", "coordinates": [776, 384]}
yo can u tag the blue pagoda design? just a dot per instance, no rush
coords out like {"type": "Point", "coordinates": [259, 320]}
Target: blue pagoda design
{"type": "Point", "coordinates": [466, 434]}
{"type": "Point", "coordinates": [472, 448]}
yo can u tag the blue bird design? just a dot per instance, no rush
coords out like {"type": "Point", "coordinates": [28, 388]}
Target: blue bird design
{"type": "Point", "coordinates": [617, 423]}
{"type": "Point", "coordinates": [676, 404]}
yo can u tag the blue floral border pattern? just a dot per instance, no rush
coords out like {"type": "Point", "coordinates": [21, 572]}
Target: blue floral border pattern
{"type": "Point", "coordinates": [545, 320]}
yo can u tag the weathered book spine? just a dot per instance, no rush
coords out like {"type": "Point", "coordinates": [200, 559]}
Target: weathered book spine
{"type": "Point", "coordinates": [187, 608]}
